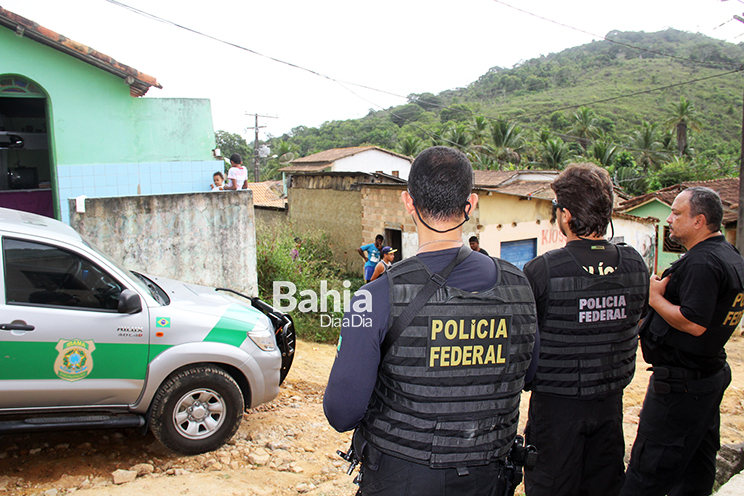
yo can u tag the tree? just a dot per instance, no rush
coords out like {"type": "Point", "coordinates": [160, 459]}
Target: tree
{"type": "Point", "coordinates": [457, 112]}
{"type": "Point", "coordinates": [683, 118]}
{"type": "Point", "coordinates": [648, 150]}
{"type": "Point", "coordinates": [410, 146]}
{"type": "Point", "coordinates": [553, 153]}
{"type": "Point", "coordinates": [584, 126]}
{"type": "Point", "coordinates": [479, 129]}
{"type": "Point", "coordinates": [507, 142]}
{"type": "Point", "coordinates": [230, 143]}
{"type": "Point", "coordinates": [405, 113]}
{"type": "Point", "coordinates": [458, 136]}
{"type": "Point", "coordinates": [603, 152]}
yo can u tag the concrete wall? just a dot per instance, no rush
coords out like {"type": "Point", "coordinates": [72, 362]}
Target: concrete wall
{"type": "Point", "coordinates": [266, 216]}
{"type": "Point", "coordinates": [373, 161]}
{"type": "Point", "coordinates": [201, 238]}
{"type": "Point", "coordinates": [337, 212]}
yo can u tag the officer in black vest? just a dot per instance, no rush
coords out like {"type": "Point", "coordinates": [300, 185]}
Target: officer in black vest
{"type": "Point", "coordinates": [432, 384]}
{"type": "Point", "coordinates": [590, 296]}
{"type": "Point", "coordinates": [696, 307]}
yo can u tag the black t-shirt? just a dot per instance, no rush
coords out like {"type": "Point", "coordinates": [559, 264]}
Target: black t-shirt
{"type": "Point", "coordinates": [699, 285]}
{"type": "Point", "coordinates": [595, 256]}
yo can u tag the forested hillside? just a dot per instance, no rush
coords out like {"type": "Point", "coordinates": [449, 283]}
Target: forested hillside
{"type": "Point", "coordinates": [653, 108]}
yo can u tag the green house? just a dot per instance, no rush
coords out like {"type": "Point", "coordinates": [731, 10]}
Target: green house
{"type": "Point", "coordinates": [658, 204]}
{"type": "Point", "coordinates": [74, 121]}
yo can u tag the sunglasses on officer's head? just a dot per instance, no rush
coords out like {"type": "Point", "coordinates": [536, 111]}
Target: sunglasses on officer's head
{"type": "Point", "coordinates": [557, 206]}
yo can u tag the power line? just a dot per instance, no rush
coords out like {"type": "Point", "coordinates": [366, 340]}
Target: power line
{"type": "Point", "coordinates": [626, 45]}
{"type": "Point", "coordinates": [240, 47]}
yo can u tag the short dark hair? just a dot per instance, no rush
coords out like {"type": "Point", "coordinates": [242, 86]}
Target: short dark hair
{"type": "Point", "coordinates": [473, 239]}
{"type": "Point", "coordinates": [218, 173]}
{"type": "Point", "coordinates": [440, 182]}
{"type": "Point", "coordinates": [380, 237]}
{"type": "Point", "coordinates": [707, 202]}
{"type": "Point", "coordinates": [236, 158]}
{"type": "Point", "coordinates": [586, 191]}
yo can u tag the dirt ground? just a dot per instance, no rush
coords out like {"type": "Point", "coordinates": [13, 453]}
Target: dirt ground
{"type": "Point", "coordinates": [282, 448]}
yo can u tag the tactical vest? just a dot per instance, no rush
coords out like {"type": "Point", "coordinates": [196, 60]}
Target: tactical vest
{"type": "Point", "coordinates": [717, 334]}
{"type": "Point", "coordinates": [589, 331]}
{"type": "Point", "coordinates": [447, 392]}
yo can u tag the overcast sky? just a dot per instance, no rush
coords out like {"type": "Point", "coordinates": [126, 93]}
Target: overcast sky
{"type": "Point", "coordinates": [397, 46]}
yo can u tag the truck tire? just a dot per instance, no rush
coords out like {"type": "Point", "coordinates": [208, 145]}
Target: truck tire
{"type": "Point", "coordinates": [197, 410]}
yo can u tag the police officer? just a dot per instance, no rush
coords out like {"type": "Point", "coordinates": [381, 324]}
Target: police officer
{"type": "Point", "coordinates": [590, 296]}
{"type": "Point", "coordinates": [432, 384]}
{"type": "Point", "coordinates": [696, 307]}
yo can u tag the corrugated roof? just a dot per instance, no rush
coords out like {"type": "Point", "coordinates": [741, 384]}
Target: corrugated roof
{"type": "Point", "coordinates": [138, 82]}
{"type": "Point", "coordinates": [322, 160]}
{"type": "Point", "coordinates": [727, 188]}
{"type": "Point", "coordinates": [267, 194]}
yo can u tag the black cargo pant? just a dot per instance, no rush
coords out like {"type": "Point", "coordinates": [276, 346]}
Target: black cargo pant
{"type": "Point", "coordinates": [580, 446]}
{"type": "Point", "coordinates": [388, 475]}
{"type": "Point", "coordinates": [678, 436]}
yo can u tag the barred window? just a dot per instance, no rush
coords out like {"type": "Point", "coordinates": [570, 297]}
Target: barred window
{"type": "Point", "coordinates": [669, 245]}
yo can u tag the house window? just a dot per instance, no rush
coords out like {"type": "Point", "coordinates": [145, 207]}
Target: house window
{"type": "Point", "coordinates": [669, 245]}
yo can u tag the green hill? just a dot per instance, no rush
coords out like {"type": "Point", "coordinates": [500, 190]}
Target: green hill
{"type": "Point", "coordinates": [526, 116]}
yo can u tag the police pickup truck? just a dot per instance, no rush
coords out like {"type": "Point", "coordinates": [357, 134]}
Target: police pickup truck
{"type": "Point", "coordinates": [85, 343]}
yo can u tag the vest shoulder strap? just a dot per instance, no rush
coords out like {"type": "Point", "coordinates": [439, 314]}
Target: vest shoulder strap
{"type": "Point", "coordinates": [435, 282]}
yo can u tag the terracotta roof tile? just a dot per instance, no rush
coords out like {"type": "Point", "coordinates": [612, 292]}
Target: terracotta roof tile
{"type": "Point", "coordinates": [727, 188]}
{"type": "Point", "coordinates": [139, 83]}
{"type": "Point", "coordinates": [267, 194]}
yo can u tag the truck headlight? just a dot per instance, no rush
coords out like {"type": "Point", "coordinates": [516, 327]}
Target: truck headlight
{"type": "Point", "coordinates": [262, 335]}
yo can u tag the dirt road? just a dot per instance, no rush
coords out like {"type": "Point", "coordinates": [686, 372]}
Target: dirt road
{"type": "Point", "coordinates": [282, 448]}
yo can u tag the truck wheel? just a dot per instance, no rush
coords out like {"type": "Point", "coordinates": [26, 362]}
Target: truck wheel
{"type": "Point", "coordinates": [197, 410]}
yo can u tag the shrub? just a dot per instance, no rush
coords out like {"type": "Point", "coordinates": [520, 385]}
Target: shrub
{"type": "Point", "coordinates": [314, 263]}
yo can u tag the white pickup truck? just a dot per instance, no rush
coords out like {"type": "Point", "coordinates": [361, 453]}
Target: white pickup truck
{"type": "Point", "coordinates": [85, 343]}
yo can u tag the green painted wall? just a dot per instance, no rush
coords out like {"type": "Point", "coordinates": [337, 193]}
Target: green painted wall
{"type": "Point", "coordinates": [661, 211]}
{"type": "Point", "coordinates": [94, 120]}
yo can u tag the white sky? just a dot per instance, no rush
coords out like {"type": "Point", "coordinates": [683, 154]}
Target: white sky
{"type": "Point", "coordinates": [399, 46]}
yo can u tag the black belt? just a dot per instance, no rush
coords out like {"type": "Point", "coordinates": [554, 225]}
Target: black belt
{"type": "Point", "coordinates": [675, 379]}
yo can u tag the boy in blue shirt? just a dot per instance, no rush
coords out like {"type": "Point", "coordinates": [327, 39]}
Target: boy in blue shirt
{"type": "Point", "coordinates": [371, 255]}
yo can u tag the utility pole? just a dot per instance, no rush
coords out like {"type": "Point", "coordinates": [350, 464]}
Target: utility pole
{"type": "Point", "coordinates": [255, 143]}
{"type": "Point", "coordinates": [740, 208]}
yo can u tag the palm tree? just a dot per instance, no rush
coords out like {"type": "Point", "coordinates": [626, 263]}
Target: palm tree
{"type": "Point", "coordinates": [648, 150]}
{"type": "Point", "coordinates": [411, 146]}
{"type": "Point", "coordinates": [584, 126]}
{"type": "Point", "coordinates": [507, 142]}
{"type": "Point", "coordinates": [554, 153]}
{"type": "Point", "coordinates": [479, 129]}
{"type": "Point", "coordinates": [603, 152]}
{"type": "Point", "coordinates": [684, 117]}
{"type": "Point", "coordinates": [458, 136]}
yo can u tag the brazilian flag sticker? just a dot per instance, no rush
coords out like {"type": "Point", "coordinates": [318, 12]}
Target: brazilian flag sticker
{"type": "Point", "coordinates": [162, 322]}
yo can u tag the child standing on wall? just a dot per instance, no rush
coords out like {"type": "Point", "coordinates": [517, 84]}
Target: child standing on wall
{"type": "Point", "coordinates": [237, 175]}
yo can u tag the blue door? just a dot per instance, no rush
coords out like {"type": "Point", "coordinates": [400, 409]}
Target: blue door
{"type": "Point", "coordinates": [519, 252]}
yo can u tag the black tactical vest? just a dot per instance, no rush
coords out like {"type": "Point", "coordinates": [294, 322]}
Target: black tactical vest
{"type": "Point", "coordinates": [589, 331]}
{"type": "Point", "coordinates": [447, 393]}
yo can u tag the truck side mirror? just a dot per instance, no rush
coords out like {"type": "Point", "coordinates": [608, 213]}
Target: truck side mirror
{"type": "Point", "coordinates": [129, 302]}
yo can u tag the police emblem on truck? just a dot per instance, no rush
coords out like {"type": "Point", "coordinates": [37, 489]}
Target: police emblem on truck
{"type": "Point", "coordinates": [75, 359]}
